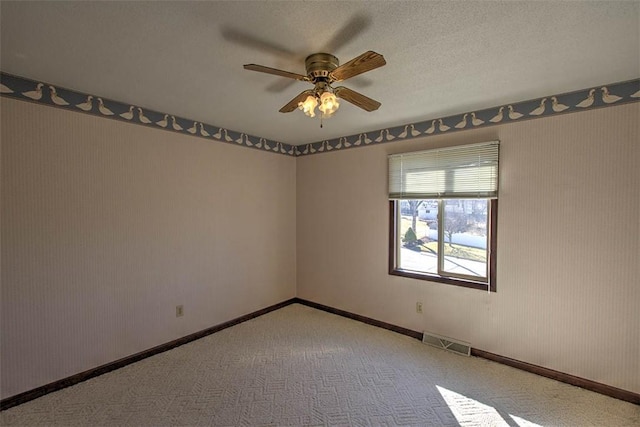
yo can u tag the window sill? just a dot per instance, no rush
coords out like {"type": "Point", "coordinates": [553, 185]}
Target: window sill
{"type": "Point", "coordinates": [440, 279]}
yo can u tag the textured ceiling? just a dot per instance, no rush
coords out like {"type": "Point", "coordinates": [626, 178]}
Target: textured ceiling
{"type": "Point", "coordinates": [185, 58]}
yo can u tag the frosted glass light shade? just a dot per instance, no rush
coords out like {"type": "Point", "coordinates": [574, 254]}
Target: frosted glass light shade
{"type": "Point", "coordinates": [309, 106]}
{"type": "Point", "coordinates": [328, 104]}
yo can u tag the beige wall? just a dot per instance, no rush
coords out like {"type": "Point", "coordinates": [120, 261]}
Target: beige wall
{"type": "Point", "coordinates": [568, 245]}
{"type": "Point", "coordinates": [107, 226]}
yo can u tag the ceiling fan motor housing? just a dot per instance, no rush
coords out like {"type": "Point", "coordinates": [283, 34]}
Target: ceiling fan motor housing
{"type": "Point", "coordinates": [319, 65]}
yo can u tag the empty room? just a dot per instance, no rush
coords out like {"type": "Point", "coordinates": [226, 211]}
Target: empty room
{"type": "Point", "coordinates": [303, 213]}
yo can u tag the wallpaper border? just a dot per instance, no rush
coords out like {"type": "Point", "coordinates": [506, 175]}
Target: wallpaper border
{"type": "Point", "coordinates": [551, 105]}
{"type": "Point", "coordinates": [48, 94]}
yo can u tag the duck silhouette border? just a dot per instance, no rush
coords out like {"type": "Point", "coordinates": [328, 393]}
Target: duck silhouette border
{"type": "Point", "coordinates": [606, 95]}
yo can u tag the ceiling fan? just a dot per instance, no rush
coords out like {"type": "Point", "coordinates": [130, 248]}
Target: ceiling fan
{"type": "Point", "coordinates": [324, 69]}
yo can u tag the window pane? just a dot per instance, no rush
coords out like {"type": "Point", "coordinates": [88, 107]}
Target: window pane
{"type": "Point", "coordinates": [465, 237]}
{"type": "Point", "coordinates": [418, 248]}
{"type": "Point", "coordinates": [451, 242]}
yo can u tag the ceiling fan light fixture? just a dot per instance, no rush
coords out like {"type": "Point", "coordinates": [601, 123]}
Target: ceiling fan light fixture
{"type": "Point", "coordinates": [308, 106]}
{"type": "Point", "coordinates": [323, 69]}
{"type": "Point", "coordinates": [328, 104]}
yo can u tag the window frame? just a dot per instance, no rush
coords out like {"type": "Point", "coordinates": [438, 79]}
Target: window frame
{"type": "Point", "coordinates": [490, 284]}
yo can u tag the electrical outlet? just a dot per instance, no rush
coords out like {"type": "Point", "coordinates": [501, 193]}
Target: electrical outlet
{"type": "Point", "coordinates": [179, 311]}
{"type": "Point", "coordinates": [419, 307]}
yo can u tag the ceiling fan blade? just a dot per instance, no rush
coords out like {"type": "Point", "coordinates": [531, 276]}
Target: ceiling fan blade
{"type": "Point", "coordinates": [357, 99]}
{"type": "Point", "coordinates": [275, 71]}
{"type": "Point", "coordinates": [349, 31]}
{"type": "Point", "coordinates": [368, 61]}
{"type": "Point", "coordinates": [293, 104]}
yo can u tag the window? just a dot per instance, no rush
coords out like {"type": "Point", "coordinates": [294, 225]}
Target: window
{"type": "Point", "coordinates": [443, 210]}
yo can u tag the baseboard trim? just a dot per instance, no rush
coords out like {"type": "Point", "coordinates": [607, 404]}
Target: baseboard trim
{"type": "Point", "coordinates": [26, 396]}
{"type": "Point", "coordinates": [607, 390]}
{"type": "Point", "coordinates": [363, 319]}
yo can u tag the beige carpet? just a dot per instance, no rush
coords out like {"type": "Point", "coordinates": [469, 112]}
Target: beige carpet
{"type": "Point", "coordinates": [300, 366]}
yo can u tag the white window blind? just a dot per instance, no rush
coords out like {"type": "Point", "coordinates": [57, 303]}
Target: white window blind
{"type": "Point", "coordinates": [468, 171]}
